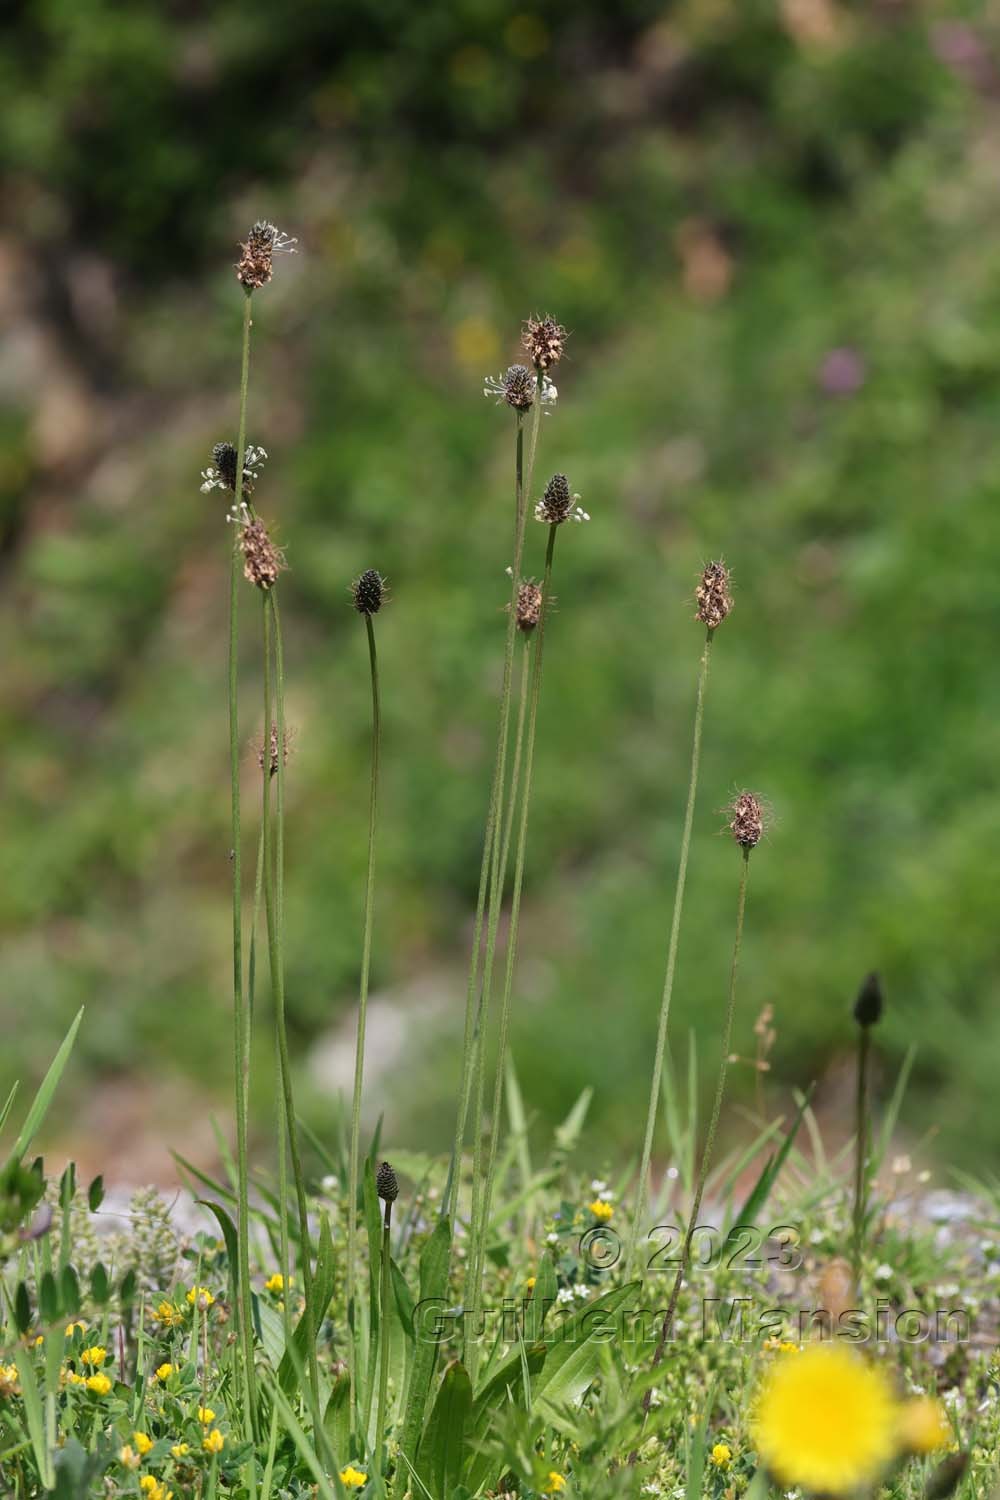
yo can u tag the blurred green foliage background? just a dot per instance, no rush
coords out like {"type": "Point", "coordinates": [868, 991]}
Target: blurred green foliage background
{"type": "Point", "coordinates": [773, 229]}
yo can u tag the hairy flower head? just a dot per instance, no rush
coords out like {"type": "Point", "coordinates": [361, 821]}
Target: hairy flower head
{"type": "Point", "coordinates": [559, 504]}
{"type": "Point", "coordinates": [543, 341]}
{"type": "Point", "coordinates": [826, 1422]}
{"type": "Point", "coordinates": [256, 264]}
{"type": "Point", "coordinates": [746, 820]}
{"type": "Point", "coordinates": [712, 594]}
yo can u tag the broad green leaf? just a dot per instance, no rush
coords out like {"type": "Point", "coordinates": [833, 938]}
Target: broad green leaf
{"type": "Point", "coordinates": [232, 1244]}
{"type": "Point", "coordinates": [573, 1355]}
{"type": "Point", "coordinates": [337, 1418]}
{"type": "Point", "coordinates": [304, 1337]}
{"type": "Point", "coordinates": [443, 1444]}
{"type": "Point", "coordinates": [434, 1259]}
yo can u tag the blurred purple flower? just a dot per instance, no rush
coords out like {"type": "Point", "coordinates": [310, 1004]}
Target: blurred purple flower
{"type": "Point", "coordinates": [842, 372]}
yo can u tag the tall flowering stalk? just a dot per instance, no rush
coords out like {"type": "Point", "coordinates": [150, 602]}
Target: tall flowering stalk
{"type": "Point", "coordinates": [387, 1187]}
{"type": "Point", "coordinates": [369, 594]}
{"type": "Point", "coordinates": [867, 1013]}
{"type": "Point", "coordinates": [557, 506]}
{"type": "Point", "coordinates": [523, 390]}
{"type": "Point", "coordinates": [747, 828]}
{"type": "Point", "coordinates": [236, 469]}
{"type": "Point", "coordinates": [714, 604]}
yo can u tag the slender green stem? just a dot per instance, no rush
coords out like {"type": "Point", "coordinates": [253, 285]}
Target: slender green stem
{"type": "Point", "coordinates": [861, 1153]}
{"type": "Point", "coordinates": [668, 982]}
{"type": "Point", "coordinates": [706, 1159]}
{"type": "Point", "coordinates": [383, 1361]}
{"type": "Point", "coordinates": [241, 1028]}
{"type": "Point", "coordinates": [481, 1228]}
{"type": "Point", "coordinates": [359, 1055]}
{"type": "Point", "coordinates": [284, 1252]}
{"type": "Point", "coordinates": [515, 775]}
{"type": "Point", "coordinates": [473, 1014]}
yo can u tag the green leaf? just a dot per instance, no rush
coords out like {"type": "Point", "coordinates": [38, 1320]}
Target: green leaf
{"type": "Point", "coordinates": [761, 1190]}
{"type": "Point", "coordinates": [20, 1190]}
{"type": "Point", "coordinates": [95, 1194]}
{"type": "Point", "coordinates": [127, 1290]}
{"type": "Point", "coordinates": [48, 1299]}
{"type": "Point", "coordinates": [337, 1418]}
{"type": "Point", "coordinates": [442, 1447]}
{"type": "Point", "coordinates": [22, 1308]}
{"type": "Point", "coordinates": [99, 1287]}
{"type": "Point", "coordinates": [69, 1291]}
{"type": "Point", "coordinates": [8, 1103]}
{"type": "Point", "coordinates": [229, 1235]}
{"type": "Point", "coordinates": [434, 1259]}
{"type": "Point", "coordinates": [33, 1418]}
{"type": "Point", "coordinates": [573, 1356]}
{"type": "Point", "coordinates": [294, 1360]}
{"type": "Point", "coordinates": [40, 1104]}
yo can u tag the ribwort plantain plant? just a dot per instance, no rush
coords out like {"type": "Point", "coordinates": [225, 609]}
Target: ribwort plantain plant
{"type": "Point", "coordinates": [714, 605]}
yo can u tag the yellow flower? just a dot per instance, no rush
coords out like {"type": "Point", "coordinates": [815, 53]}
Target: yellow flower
{"type": "Point", "coordinates": [826, 1421]}
{"type": "Point", "coordinates": [602, 1211]}
{"type": "Point", "coordinates": [168, 1315]}
{"type": "Point", "coordinates": [720, 1455]}
{"type": "Point", "coordinates": [276, 1283]}
{"type": "Point", "coordinates": [202, 1296]}
{"type": "Point", "coordinates": [531, 1282]}
{"type": "Point", "coordinates": [180, 1450]}
{"type": "Point", "coordinates": [787, 1347]}
{"type": "Point", "coordinates": [8, 1380]}
{"type": "Point", "coordinates": [353, 1478]}
{"type": "Point", "coordinates": [152, 1487]}
{"type": "Point", "coordinates": [206, 1416]}
{"type": "Point", "coordinates": [213, 1442]}
{"type": "Point", "coordinates": [73, 1378]}
{"type": "Point", "coordinates": [555, 1481]}
{"type": "Point", "coordinates": [75, 1328]}
{"type": "Point", "coordinates": [129, 1457]}
{"type": "Point", "coordinates": [143, 1442]}
{"type": "Point", "coordinates": [94, 1356]}
{"type": "Point", "coordinates": [99, 1384]}
{"type": "Point", "coordinates": [923, 1426]}
{"type": "Point", "coordinates": [164, 1371]}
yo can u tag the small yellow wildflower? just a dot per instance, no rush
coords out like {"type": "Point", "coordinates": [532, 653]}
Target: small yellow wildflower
{"type": "Point", "coordinates": [94, 1356]}
{"type": "Point", "coordinates": [602, 1212]}
{"type": "Point", "coordinates": [100, 1385]}
{"type": "Point", "coordinates": [38, 1340]}
{"type": "Point", "coordinates": [72, 1378]}
{"type": "Point", "coordinates": [555, 1481]}
{"type": "Point", "coordinates": [276, 1283]}
{"type": "Point", "coordinates": [75, 1328]}
{"type": "Point", "coordinates": [721, 1455]}
{"type": "Point", "coordinates": [826, 1421]}
{"type": "Point", "coordinates": [923, 1426]}
{"type": "Point", "coordinates": [202, 1296]}
{"type": "Point", "coordinates": [213, 1442]}
{"type": "Point", "coordinates": [168, 1315]}
{"type": "Point", "coordinates": [154, 1489]}
{"type": "Point", "coordinates": [164, 1371]}
{"type": "Point", "coordinates": [206, 1416]}
{"type": "Point", "coordinates": [8, 1380]}
{"type": "Point", "coordinates": [128, 1457]}
{"type": "Point", "coordinates": [531, 1282]}
{"type": "Point", "coordinates": [143, 1442]}
{"type": "Point", "coordinates": [180, 1450]}
{"type": "Point", "coordinates": [788, 1347]}
{"type": "Point", "coordinates": [353, 1478]}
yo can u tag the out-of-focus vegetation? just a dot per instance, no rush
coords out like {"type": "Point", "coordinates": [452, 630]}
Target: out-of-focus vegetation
{"type": "Point", "coordinates": [772, 230]}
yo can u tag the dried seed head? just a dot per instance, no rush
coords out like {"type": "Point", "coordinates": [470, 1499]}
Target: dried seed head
{"type": "Point", "coordinates": [386, 1183]}
{"type": "Point", "coordinates": [519, 387]}
{"type": "Point", "coordinates": [559, 504]}
{"type": "Point", "coordinates": [746, 820]}
{"type": "Point", "coordinates": [369, 592]}
{"type": "Point", "coordinates": [272, 756]}
{"type": "Point", "coordinates": [870, 1003]}
{"type": "Point", "coordinates": [713, 596]}
{"type": "Point", "coordinates": [529, 605]}
{"type": "Point", "coordinates": [543, 340]}
{"type": "Point", "coordinates": [255, 266]}
{"type": "Point", "coordinates": [262, 560]}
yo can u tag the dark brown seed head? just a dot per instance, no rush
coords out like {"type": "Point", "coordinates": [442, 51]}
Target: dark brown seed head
{"type": "Point", "coordinates": [713, 596]}
{"type": "Point", "coordinates": [746, 820]}
{"type": "Point", "coordinates": [369, 592]}
{"type": "Point", "coordinates": [529, 605]}
{"type": "Point", "coordinates": [262, 560]}
{"type": "Point", "coordinates": [543, 340]}
{"type": "Point", "coordinates": [870, 1003]}
{"type": "Point", "coordinates": [386, 1183]}
{"type": "Point", "coordinates": [256, 264]}
{"type": "Point", "coordinates": [225, 461]}
{"type": "Point", "coordinates": [519, 387]}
